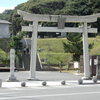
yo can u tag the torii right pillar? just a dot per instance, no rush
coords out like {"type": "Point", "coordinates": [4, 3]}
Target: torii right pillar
{"type": "Point", "coordinates": [85, 52]}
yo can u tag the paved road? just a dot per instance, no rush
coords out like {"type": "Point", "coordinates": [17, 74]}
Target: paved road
{"type": "Point", "coordinates": [41, 75]}
{"type": "Point", "coordinates": [74, 92]}
{"type": "Point", "coordinates": [70, 91]}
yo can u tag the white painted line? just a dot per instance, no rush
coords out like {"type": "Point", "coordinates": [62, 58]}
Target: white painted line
{"type": "Point", "coordinates": [9, 93]}
{"type": "Point", "coordinates": [4, 93]}
{"type": "Point", "coordinates": [51, 95]}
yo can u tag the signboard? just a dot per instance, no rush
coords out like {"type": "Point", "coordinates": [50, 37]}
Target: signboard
{"type": "Point", "coordinates": [95, 62]}
{"type": "Point", "coordinates": [75, 64]}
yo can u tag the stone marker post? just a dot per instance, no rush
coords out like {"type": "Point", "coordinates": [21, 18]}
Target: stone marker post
{"type": "Point", "coordinates": [12, 78]}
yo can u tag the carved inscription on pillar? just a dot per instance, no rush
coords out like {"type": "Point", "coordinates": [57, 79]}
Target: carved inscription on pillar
{"type": "Point", "coordinates": [12, 60]}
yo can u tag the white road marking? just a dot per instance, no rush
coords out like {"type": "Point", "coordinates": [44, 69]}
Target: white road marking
{"type": "Point", "coordinates": [49, 87]}
{"type": "Point", "coordinates": [8, 92]}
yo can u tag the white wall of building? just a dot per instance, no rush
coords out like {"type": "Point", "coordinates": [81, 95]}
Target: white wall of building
{"type": "Point", "coordinates": [4, 29]}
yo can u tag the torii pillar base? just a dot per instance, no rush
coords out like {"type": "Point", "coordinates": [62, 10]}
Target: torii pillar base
{"type": "Point", "coordinates": [32, 79]}
{"type": "Point", "coordinates": [86, 78]}
{"type": "Point", "coordinates": [12, 79]}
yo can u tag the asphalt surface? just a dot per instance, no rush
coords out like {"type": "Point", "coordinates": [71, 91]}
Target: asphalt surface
{"type": "Point", "coordinates": [53, 90]}
{"type": "Point", "coordinates": [41, 75]}
{"type": "Point", "coordinates": [77, 92]}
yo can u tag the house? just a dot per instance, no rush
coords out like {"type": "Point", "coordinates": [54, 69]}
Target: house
{"type": "Point", "coordinates": [4, 29]}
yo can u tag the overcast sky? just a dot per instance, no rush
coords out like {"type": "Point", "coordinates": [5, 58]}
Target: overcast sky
{"type": "Point", "coordinates": [10, 4]}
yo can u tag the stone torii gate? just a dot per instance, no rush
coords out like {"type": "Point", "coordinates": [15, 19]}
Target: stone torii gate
{"type": "Point", "coordinates": [61, 19]}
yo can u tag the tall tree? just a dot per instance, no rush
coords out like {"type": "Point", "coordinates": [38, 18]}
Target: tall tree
{"type": "Point", "coordinates": [74, 45]}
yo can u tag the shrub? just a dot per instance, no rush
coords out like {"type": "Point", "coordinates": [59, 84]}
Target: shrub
{"type": "Point", "coordinates": [5, 58]}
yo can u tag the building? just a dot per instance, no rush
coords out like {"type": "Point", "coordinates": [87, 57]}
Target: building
{"type": "Point", "coordinates": [4, 29]}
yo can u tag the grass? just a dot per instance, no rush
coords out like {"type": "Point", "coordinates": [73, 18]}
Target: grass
{"type": "Point", "coordinates": [54, 58]}
{"type": "Point", "coordinates": [51, 45]}
{"type": "Point", "coordinates": [96, 48]}
{"type": "Point", "coordinates": [53, 49]}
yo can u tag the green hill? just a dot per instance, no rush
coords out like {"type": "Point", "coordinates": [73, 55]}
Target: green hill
{"type": "Point", "coordinates": [53, 49]}
{"type": "Point", "coordinates": [96, 47]}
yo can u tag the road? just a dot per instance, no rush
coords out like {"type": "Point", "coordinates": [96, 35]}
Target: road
{"type": "Point", "coordinates": [41, 75]}
{"type": "Point", "coordinates": [79, 92]}
{"type": "Point", "coordinates": [85, 91]}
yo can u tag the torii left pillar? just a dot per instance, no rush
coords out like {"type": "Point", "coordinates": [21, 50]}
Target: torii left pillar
{"type": "Point", "coordinates": [33, 52]}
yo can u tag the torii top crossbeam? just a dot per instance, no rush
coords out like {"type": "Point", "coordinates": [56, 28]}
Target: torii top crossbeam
{"type": "Point", "coordinates": [54, 18]}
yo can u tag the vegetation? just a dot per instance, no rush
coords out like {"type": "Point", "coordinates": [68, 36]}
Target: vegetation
{"type": "Point", "coordinates": [4, 44]}
{"type": "Point", "coordinates": [51, 49]}
{"type": "Point", "coordinates": [96, 48]}
{"type": "Point", "coordinates": [16, 42]}
{"type": "Point", "coordinates": [55, 7]}
{"type": "Point", "coordinates": [17, 45]}
{"type": "Point", "coordinates": [4, 57]}
{"type": "Point", "coordinates": [74, 45]}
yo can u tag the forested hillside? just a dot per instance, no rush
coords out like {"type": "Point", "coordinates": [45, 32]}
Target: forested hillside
{"type": "Point", "coordinates": [56, 7]}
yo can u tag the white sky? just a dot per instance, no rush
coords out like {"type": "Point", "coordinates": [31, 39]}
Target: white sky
{"type": "Point", "coordinates": [10, 4]}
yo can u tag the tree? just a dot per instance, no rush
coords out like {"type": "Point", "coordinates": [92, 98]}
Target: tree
{"type": "Point", "coordinates": [75, 45]}
{"type": "Point", "coordinates": [54, 7]}
{"type": "Point", "coordinates": [16, 43]}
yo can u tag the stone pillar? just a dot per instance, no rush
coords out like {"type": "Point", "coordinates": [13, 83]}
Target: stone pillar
{"type": "Point", "coordinates": [85, 52]}
{"type": "Point", "coordinates": [33, 52]}
{"type": "Point", "coordinates": [12, 78]}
